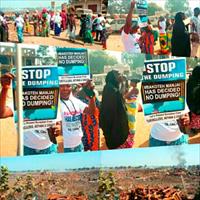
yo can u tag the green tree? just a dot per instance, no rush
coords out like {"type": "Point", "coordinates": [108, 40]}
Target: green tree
{"type": "Point", "coordinates": [118, 6]}
{"type": "Point", "coordinates": [107, 187]}
{"type": "Point", "coordinates": [152, 8]}
{"type": "Point", "coordinates": [99, 59]}
{"type": "Point", "coordinates": [4, 175]}
{"type": "Point", "coordinates": [176, 6]}
{"type": "Point", "coordinates": [44, 53]}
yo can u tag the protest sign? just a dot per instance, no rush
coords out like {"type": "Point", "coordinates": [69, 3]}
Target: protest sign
{"type": "Point", "coordinates": [163, 89]}
{"type": "Point", "coordinates": [73, 65]}
{"type": "Point", "coordinates": [142, 6]}
{"type": "Point", "coordinates": [40, 96]}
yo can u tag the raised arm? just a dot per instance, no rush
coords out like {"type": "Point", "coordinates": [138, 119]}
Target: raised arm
{"type": "Point", "coordinates": [128, 23]}
{"type": "Point", "coordinates": [5, 111]}
{"type": "Point", "coordinates": [91, 107]}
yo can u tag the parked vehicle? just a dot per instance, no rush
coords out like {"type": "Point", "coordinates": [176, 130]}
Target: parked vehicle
{"type": "Point", "coordinates": [81, 11]}
{"type": "Point", "coordinates": [117, 24]}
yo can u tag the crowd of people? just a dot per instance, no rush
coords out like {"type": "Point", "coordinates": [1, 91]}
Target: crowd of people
{"type": "Point", "coordinates": [83, 116]}
{"type": "Point", "coordinates": [91, 27]}
{"type": "Point", "coordinates": [176, 36]}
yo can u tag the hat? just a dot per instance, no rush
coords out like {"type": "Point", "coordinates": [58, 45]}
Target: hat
{"type": "Point", "coordinates": [44, 10]}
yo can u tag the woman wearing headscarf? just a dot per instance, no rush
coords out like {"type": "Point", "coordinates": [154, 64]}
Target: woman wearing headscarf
{"type": "Point", "coordinates": [71, 24]}
{"type": "Point", "coordinates": [58, 21]}
{"type": "Point", "coordinates": [193, 99]}
{"type": "Point", "coordinates": [63, 15]}
{"type": "Point", "coordinates": [180, 37]}
{"type": "Point", "coordinates": [36, 23]}
{"type": "Point", "coordinates": [147, 41]}
{"type": "Point", "coordinates": [27, 22]}
{"type": "Point", "coordinates": [90, 122]}
{"type": "Point", "coordinates": [86, 26]}
{"type": "Point", "coordinates": [45, 23]}
{"type": "Point", "coordinates": [113, 113]}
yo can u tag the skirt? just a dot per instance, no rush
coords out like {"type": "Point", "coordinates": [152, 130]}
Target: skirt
{"type": "Point", "coordinates": [57, 30]}
{"type": "Point", "coordinates": [195, 121]}
{"type": "Point", "coordinates": [163, 43]}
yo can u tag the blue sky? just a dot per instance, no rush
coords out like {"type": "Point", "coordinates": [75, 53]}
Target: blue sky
{"type": "Point", "coordinates": [46, 3]}
{"type": "Point", "coordinates": [29, 3]}
{"type": "Point", "coordinates": [152, 157]}
{"type": "Point", "coordinates": [53, 161]}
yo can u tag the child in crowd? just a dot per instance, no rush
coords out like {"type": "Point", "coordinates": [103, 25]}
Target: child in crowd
{"type": "Point", "coordinates": [131, 105]}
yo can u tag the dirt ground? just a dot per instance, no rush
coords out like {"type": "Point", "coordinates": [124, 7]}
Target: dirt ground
{"type": "Point", "coordinates": [114, 42]}
{"type": "Point", "coordinates": [85, 182]}
{"type": "Point", "coordinates": [8, 136]}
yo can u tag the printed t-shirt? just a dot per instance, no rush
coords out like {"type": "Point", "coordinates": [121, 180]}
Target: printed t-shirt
{"type": "Point", "coordinates": [71, 111]}
{"type": "Point", "coordinates": [131, 42]}
{"type": "Point", "coordinates": [166, 131]}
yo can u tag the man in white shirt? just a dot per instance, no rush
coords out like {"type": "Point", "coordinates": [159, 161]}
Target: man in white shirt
{"type": "Point", "coordinates": [71, 111]}
{"type": "Point", "coordinates": [195, 29]}
{"type": "Point", "coordinates": [130, 37]}
{"type": "Point", "coordinates": [169, 132]}
{"type": "Point", "coordinates": [35, 141]}
{"type": "Point", "coordinates": [99, 27]}
{"type": "Point", "coordinates": [19, 24]}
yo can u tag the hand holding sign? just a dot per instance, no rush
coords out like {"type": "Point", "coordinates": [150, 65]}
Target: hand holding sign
{"type": "Point", "coordinates": [6, 80]}
{"type": "Point", "coordinates": [185, 120]}
{"type": "Point", "coordinates": [54, 131]}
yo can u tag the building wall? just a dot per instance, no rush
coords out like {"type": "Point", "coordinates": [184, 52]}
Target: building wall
{"type": "Point", "coordinates": [86, 3]}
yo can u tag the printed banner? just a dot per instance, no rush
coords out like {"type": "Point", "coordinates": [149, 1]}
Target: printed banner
{"type": "Point", "coordinates": [163, 89]}
{"type": "Point", "coordinates": [142, 6]}
{"type": "Point", "coordinates": [40, 96]}
{"type": "Point", "coordinates": [73, 65]}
